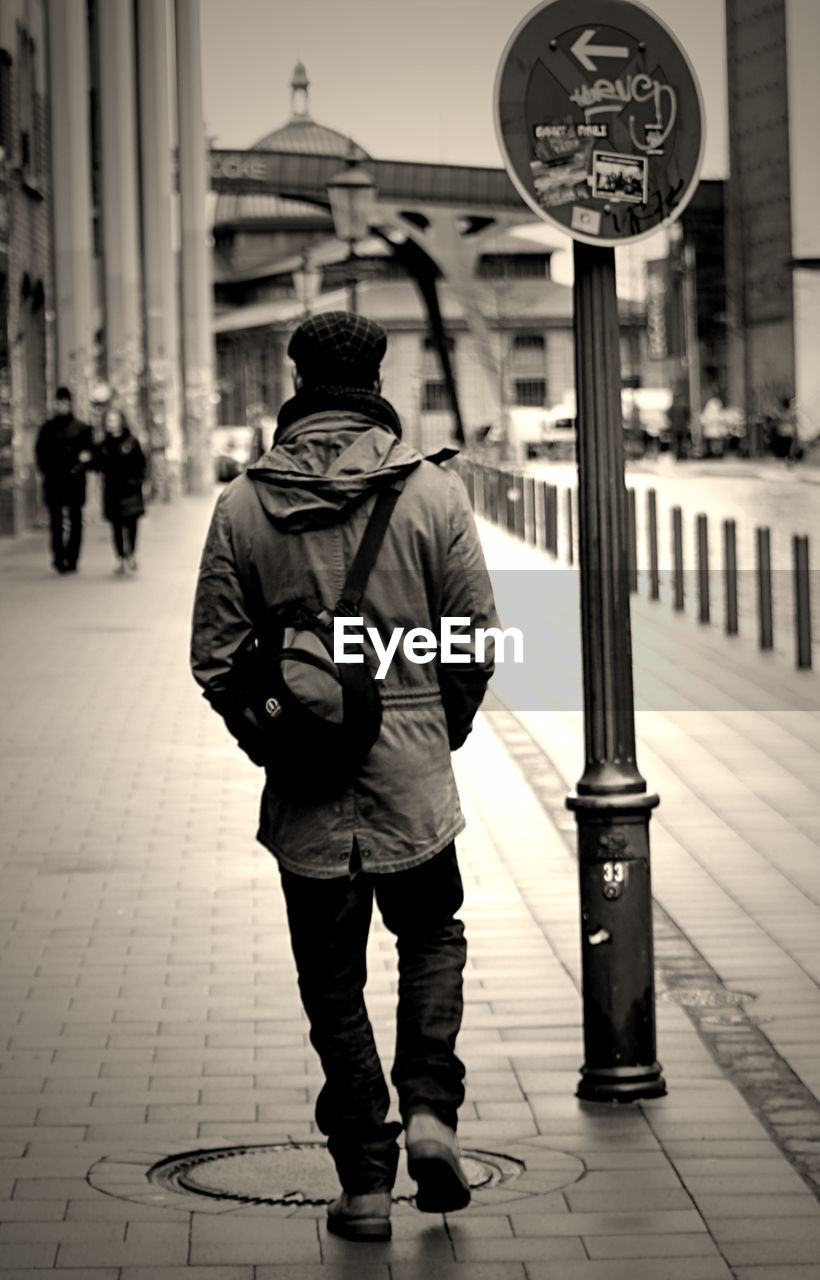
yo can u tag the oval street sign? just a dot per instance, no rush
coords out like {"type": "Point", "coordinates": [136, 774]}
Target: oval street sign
{"type": "Point", "coordinates": [599, 118]}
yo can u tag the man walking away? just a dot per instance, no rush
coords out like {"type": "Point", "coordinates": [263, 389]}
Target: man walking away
{"type": "Point", "coordinates": [288, 528]}
{"type": "Point", "coordinates": [64, 450]}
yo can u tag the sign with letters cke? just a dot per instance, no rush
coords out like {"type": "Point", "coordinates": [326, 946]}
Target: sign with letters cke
{"type": "Point", "coordinates": [599, 119]}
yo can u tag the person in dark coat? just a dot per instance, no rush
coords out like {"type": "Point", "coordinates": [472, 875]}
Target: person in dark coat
{"type": "Point", "coordinates": [122, 463]}
{"type": "Point", "coordinates": [291, 525]}
{"type": "Point", "coordinates": [63, 451]}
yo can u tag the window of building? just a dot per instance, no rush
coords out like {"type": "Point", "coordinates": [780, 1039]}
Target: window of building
{"type": "Point", "coordinates": [514, 266]}
{"type": "Point", "coordinates": [531, 392]}
{"type": "Point", "coordinates": [30, 111]}
{"type": "Point", "coordinates": [5, 104]}
{"type": "Point", "coordinates": [429, 343]}
{"type": "Point", "coordinates": [528, 342]}
{"type": "Point", "coordinates": [434, 397]}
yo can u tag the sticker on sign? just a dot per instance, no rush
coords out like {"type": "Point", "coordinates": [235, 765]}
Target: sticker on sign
{"type": "Point", "coordinates": [599, 113]}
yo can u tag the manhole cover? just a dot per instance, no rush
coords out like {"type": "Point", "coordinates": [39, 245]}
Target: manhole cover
{"type": "Point", "coordinates": [706, 997]}
{"type": "Point", "coordinates": [296, 1173]}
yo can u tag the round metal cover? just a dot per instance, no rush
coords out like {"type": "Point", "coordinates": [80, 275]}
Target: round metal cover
{"type": "Point", "coordinates": [295, 1173]}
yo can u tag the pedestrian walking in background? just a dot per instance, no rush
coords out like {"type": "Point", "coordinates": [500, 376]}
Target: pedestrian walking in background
{"type": "Point", "coordinates": [63, 451]}
{"type": "Point", "coordinates": [290, 526]}
{"type": "Point", "coordinates": [679, 424]}
{"type": "Point", "coordinates": [714, 428]}
{"type": "Point", "coordinates": [786, 442]}
{"type": "Point", "coordinates": [122, 462]}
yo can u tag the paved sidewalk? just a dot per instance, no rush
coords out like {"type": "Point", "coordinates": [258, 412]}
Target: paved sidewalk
{"type": "Point", "coordinates": [149, 1006]}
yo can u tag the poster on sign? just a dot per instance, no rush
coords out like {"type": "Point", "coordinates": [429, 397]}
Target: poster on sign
{"type": "Point", "coordinates": [599, 118]}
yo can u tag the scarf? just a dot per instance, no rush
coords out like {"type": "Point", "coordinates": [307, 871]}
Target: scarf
{"type": "Point", "coordinates": [310, 400]}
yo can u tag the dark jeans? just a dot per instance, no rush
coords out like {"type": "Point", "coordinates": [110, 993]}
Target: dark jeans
{"type": "Point", "coordinates": [66, 533]}
{"type": "Point", "coordinates": [125, 536]}
{"type": "Point", "coordinates": [329, 923]}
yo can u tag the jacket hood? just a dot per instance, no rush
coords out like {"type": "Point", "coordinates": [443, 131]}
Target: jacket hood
{"type": "Point", "coordinates": [323, 465]}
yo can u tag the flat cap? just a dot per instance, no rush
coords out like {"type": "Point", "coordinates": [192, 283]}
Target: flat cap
{"type": "Point", "coordinates": [338, 347]}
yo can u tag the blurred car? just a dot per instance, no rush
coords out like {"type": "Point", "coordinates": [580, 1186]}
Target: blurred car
{"type": "Point", "coordinates": [232, 449]}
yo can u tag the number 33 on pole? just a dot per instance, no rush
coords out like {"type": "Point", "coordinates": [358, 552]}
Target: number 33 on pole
{"type": "Point", "coordinates": [599, 118]}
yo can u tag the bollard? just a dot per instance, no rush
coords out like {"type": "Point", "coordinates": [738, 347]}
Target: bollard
{"type": "Point", "coordinates": [802, 600]}
{"type": "Point", "coordinates": [652, 533]}
{"type": "Point", "coordinates": [501, 499]}
{"type": "Point", "coordinates": [554, 519]}
{"type": "Point", "coordinates": [542, 514]}
{"type": "Point", "coordinates": [677, 558]}
{"type": "Point", "coordinates": [570, 532]}
{"type": "Point", "coordinates": [529, 495]}
{"type": "Point", "coordinates": [519, 513]}
{"type": "Point", "coordinates": [631, 541]}
{"type": "Point", "coordinates": [764, 589]}
{"type": "Point", "coordinates": [730, 573]}
{"type": "Point", "coordinates": [703, 569]}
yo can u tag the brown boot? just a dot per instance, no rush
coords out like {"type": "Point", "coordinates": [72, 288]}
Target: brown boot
{"type": "Point", "coordinates": [433, 1162]}
{"type": "Point", "coordinates": [362, 1217]}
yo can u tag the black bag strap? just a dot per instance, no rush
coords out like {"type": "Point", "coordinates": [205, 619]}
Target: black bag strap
{"type": "Point", "coordinates": [365, 558]}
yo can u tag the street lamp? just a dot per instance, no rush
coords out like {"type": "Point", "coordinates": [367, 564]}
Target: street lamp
{"type": "Point", "coordinates": [352, 195]}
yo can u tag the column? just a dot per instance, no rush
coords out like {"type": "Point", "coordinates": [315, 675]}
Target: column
{"type": "Point", "coordinates": [124, 354]}
{"type": "Point", "coordinates": [160, 297]}
{"type": "Point", "coordinates": [197, 342]}
{"type": "Point", "coordinates": [71, 195]}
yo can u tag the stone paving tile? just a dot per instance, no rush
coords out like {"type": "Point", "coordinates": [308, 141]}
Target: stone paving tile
{"type": "Point", "coordinates": [633, 1269]}
{"type": "Point", "coordinates": [791, 1271]}
{"type": "Point", "coordinates": [584, 1223]}
{"type": "Point", "coordinates": [187, 1273]}
{"type": "Point", "coordinates": [758, 1253]}
{"type": "Point", "coordinates": [71, 1273]}
{"type": "Point", "coordinates": [417, 1270]}
{"type": "Point", "coordinates": [747, 1229]}
{"type": "Point", "coordinates": [689, 1245]}
{"type": "Point", "coordinates": [27, 1255]}
{"type": "Point", "coordinates": [364, 1270]}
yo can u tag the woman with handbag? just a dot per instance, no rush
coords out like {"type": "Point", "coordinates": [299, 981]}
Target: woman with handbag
{"type": "Point", "coordinates": [122, 463]}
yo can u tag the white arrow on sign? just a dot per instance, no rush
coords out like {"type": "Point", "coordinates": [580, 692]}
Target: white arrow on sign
{"type": "Point", "coordinates": [582, 49]}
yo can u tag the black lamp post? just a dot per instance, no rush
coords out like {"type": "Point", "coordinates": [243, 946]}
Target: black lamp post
{"type": "Point", "coordinates": [352, 195]}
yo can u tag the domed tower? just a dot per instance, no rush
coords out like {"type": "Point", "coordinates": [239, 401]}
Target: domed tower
{"type": "Point", "coordinates": [254, 230]}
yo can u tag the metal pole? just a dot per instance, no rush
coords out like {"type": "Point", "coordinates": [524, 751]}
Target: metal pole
{"type": "Point", "coordinates": [529, 494]}
{"type": "Point", "coordinates": [553, 519]}
{"type": "Point", "coordinates": [730, 560]}
{"type": "Point", "coordinates": [703, 569]}
{"type": "Point", "coordinates": [677, 557]}
{"type": "Point", "coordinates": [652, 526]}
{"type": "Point", "coordinates": [802, 601]}
{"type": "Point", "coordinates": [611, 803]}
{"type": "Point", "coordinates": [764, 589]}
{"type": "Point", "coordinates": [570, 530]}
{"type": "Point", "coordinates": [632, 540]}
{"type": "Point", "coordinates": [542, 489]}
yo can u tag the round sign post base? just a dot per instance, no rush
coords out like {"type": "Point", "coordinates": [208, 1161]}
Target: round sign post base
{"type": "Point", "coordinates": [621, 1084]}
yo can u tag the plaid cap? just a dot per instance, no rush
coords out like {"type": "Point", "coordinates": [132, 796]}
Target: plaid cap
{"type": "Point", "coordinates": [338, 347]}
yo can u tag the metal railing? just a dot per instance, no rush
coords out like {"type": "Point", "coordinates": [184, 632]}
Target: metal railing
{"type": "Point", "coordinates": [545, 516]}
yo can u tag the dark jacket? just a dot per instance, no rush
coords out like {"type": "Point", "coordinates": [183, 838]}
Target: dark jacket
{"type": "Point", "coordinates": [60, 442]}
{"type": "Point", "coordinates": [291, 526]}
{"type": "Point", "coordinates": [122, 463]}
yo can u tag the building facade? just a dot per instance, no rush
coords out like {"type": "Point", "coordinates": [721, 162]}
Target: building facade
{"type": "Point", "coordinates": [773, 226]}
{"type": "Point", "coordinates": [104, 264]}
